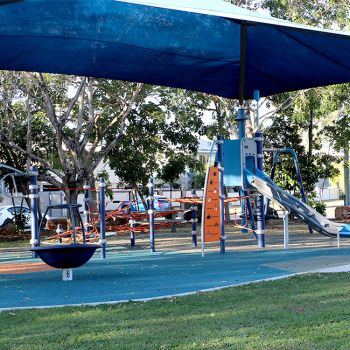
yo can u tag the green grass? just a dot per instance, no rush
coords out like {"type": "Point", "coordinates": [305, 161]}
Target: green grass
{"type": "Point", "coordinates": [303, 312]}
{"type": "Point", "coordinates": [15, 244]}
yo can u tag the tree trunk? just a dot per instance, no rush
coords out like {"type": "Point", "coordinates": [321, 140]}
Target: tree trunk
{"type": "Point", "coordinates": [71, 193]}
{"type": "Point", "coordinates": [310, 143]}
{"type": "Point", "coordinates": [310, 135]}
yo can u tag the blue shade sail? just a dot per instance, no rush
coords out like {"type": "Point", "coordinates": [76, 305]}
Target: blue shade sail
{"type": "Point", "coordinates": [195, 45]}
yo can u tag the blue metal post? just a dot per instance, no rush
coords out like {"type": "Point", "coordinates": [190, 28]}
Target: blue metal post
{"type": "Point", "coordinates": [33, 187]}
{"type": "Point", "coordinates": [103, 240]}
{"type": "Point", "coordinates": [240, 119]}
{"type": "Point", "coordinates": [86, 206]}
{"type": "Point", "coordinates": [260, 220]}
{"type": "Point", "coordinates": [151, 214]}
{"type": "Point", "coordinates": [194, 210]}
{"type": "Point", "coordinates": [221, 194]}
{"type": "Point", "coordinates": [300, 180]}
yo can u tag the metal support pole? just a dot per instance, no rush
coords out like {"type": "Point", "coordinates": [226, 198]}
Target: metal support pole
{"type": "Point", "coordinates": [243, 211]}
{"type": "Point", "coordinates": [300, 180]}
{"type": "Point", "coordinates": [103, 240]}
{"type": "Point", "coordinates": [61, 201]}
{"type": "Point", "coordinates": [221, 194]}
{"type": "Point", "coordinates": [251, 214]}
{"type": "Point", "coordinates": [151, 213]}
{"type": "Point", "coordinates": [132, 232]}
{"type": "Point", "coordinates": [260, 219]}
{"type": "Point", "coordinates": [33, 188]}
{"type": "Point", "coordinates": [240, 119]}
{"type": "Point", "coordinates": [297, 169]}
{"type": "Point", "coordinates": [272, 176]}
{"type": "Point", "coordinates": [286, 229]}
{"type": "Point", "coordinates": [74, 226]}
{"type": "Point", "coordinates": [50, 203]}
{"type": "Point", "coordinates": [194, 210]}
{"type": "Point", "coordinates": [291, 151]}
{"type": "Point", "coordinates": [338, 239]}
{"type": "Point", "coordinates": [86, 206]}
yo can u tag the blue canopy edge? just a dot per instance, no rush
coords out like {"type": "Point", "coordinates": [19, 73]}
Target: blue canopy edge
{"type": "Point", "coordinates": [186, 49]}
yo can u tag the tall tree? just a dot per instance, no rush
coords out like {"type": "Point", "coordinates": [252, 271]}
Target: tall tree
{"type": "Point", "coordinates": [339, 135]}
{"type": "Point", "coordinates": [326, 14]}
{"type": "Point", "coordinates": [315, 108]}
{"type": "Point", "coordinates": [81, 120]}
{"type": "Point", "coordinates": [162, 135]}
{"type": "Point", "coordinates": [78, 124]}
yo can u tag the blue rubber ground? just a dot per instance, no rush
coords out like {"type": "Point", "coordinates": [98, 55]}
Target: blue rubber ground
{"type": "Point", "coordinates": [138, 275]}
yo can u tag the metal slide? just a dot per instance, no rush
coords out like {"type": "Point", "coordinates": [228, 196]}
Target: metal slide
{"type": "Point", "coordinates": [303, 211]}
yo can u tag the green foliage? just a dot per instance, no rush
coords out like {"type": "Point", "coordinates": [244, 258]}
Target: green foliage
{"type": "Point", "coordinates": [161, 137]}
{"type": "Point", "coordinates": [13, 116]}
{"type": "Point", "coordinates": [20, 220]}
{"type": "Point", "coordinates": [72, 134]}
{"type": "Point", "coordinates": [338, 132]}
{"type": "Point", "coordinates": [316, 13]}
{"type": "Point", "coordinates": [313, 108]}
{"type": "Point", "coordinates": [134, 160]}
{"type": "Point", "coordinates": [285, 132]}
{"type": "Point", "coordinates": [320, 206]}
{"type": "Point", "coordinates": [198, 179]}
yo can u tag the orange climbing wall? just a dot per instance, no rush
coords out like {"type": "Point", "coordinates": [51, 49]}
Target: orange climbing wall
{"type": "Point", "coordinates": [212, 207]}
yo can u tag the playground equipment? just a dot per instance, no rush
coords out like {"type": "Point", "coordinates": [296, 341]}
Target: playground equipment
{"type": "Point", "coordinates": [310, 216]}
{"type": "Point", "coordinates": [276, 155]}
{"type": "Point", "coordinates": [243, 161]}
{"type": "Point", "coordinates": [127, 219]}
{"type": "Point", "coordinates": [71, 255]}
{"type": "Point", "coordinates": [242, 169]}
{"type": "Point", "coordinates": [14, 172]}
{"type": "Point", "coordinates": [60, 255]}
{"type": "Point", "coordinates": [235, 40]}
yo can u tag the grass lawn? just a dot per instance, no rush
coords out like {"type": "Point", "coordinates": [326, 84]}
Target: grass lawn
{"type": "Point", "coordinates": [15, 244]}
{"type": "Point", "coordinates": [302, 312]}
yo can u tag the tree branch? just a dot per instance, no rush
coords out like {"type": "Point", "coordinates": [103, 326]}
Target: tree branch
{"type": "Point", "coordinates": [9, 143]}
{"type": "Point", "coordinates": [48, 178]}
{"type": "Point", "coordinates": [80, 114]}
{"type": "Point", "coordinates": [126, 110]}
{"type": "Point", "coordinates": [91, 121]}
{"type": "Point", "coordinates": [73, 101]}
{"type": "Point", "coordinates": [119, 118]}
{"type": "Point", "coordinates": [103, 153]}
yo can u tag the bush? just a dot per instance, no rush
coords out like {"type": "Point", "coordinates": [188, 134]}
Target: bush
{"type": "Point", "coordinates": [319, 206]}
{"type": "Point", "coordinates": [20, 221]}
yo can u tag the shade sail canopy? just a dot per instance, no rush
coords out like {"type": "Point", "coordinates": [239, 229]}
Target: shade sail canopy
{"type": "Point", "coordinates": [209, 46]}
